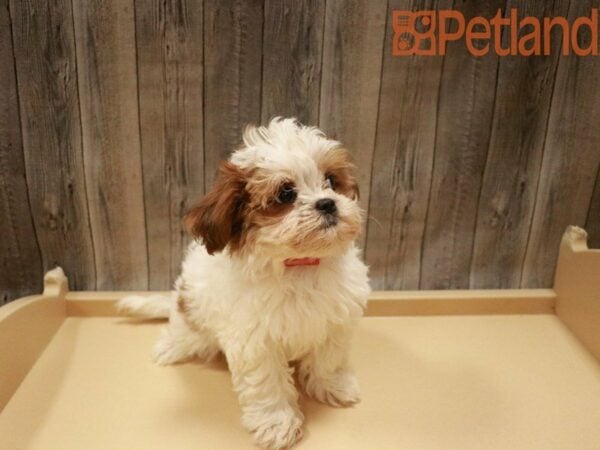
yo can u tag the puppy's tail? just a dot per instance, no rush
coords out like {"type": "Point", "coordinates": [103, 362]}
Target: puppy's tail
{"type": "Point", "coordinates": [155, 306]}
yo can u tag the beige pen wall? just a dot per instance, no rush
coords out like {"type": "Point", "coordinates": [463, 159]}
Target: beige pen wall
{"type": "Point", "coordinates": [115, 114]}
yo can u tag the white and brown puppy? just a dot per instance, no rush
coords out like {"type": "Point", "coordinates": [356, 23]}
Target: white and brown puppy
{"type": "Point", "coordinates": [274, 279]}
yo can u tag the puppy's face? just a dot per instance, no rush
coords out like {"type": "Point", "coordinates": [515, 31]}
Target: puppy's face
{"type": "Point", "coordinates": [288, 193]}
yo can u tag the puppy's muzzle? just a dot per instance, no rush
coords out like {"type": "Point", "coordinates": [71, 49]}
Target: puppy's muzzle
{"type": "Point", "coordinates": [328, 209]}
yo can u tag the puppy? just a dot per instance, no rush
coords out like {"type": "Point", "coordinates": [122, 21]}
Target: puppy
{"type": "Point", "coordinates": [274, 280]}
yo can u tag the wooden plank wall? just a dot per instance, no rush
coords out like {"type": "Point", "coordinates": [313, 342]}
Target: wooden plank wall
{"type": "Point", "coordinates": [21, 267]}
{"type": "Point", "coordinates": [114, 116]}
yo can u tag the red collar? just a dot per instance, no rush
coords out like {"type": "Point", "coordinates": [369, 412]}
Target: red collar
{"type": "Point", "coordinates": [308, 261]}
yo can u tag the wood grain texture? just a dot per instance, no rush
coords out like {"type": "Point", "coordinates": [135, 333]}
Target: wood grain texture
{"type": "Point", "coordinates": [402, 161]}
{"type": "Point", "coordinates": [466, 105]}
{"type": "Point", "coordinates": [106, 62]}
{"type": "Point", "coordinates": [571, 158]}
{"type": "Point", "coordinates": [169, 55]}
{"type": "Point", "coordinates": [592, 224]}
{"type": "Point", "coordinates": [233, 59]}
{"type": "Point", "coordinates": [351, 77]}
{"type": "Point", "coordinates": [514, 158]}
{"type": "Point", "coordinates": [115, 114]}
{"type": "Point", "coordinates": [47, 84]}
{"type": "Point", "coordinates": [20, 259]}
{"type": "Point", "coordinates": [292, 53]}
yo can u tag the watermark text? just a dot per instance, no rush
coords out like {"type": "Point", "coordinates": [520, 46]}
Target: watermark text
{"type": "Point", "coordinates": [428, 33]}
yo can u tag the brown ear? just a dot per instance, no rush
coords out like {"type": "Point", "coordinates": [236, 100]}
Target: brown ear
{"type": "Point", "coordinates": [355, 189]}
{"type": "Point", "coordinates": [218, 218]}
{"type": "Point", "coordinates": [337, 162]}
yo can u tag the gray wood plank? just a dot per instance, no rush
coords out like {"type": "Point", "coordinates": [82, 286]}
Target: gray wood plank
{"type": "Point", "coordinates": [20, 257]}
{"type": "Point", "coordinates": [466, 105]}
{"type": "Point", "coordinates": [169, 55]}
{"type": "Point", "coordinates": [106, 62]}
{"type": "Point", "coordinates": [402, 161]}
{"type": "Point", "coordinates": [514, 159]}
{"type": "Point", "coordinates": [292, 51]}
{"type": "Point", "coordinates": [571, 159]}
{"type": "Point", "coordinates": [232, 54]}
{"type": "Point", "coordinates": [47, 85]}
{"type": "Point", "coordinates": [470, 168]}
{"type": "Point", "coordinates": [592, 224]}
{"type": "Point", "coordinates": [350, 81]}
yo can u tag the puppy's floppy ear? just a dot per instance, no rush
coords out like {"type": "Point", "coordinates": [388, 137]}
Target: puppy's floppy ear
{"type": "Point", "coordinates": [218, 218]}
{"type": "Point", "coordinates": [338, 163]}
{"type": "Point", "coordinates": [355, 190]}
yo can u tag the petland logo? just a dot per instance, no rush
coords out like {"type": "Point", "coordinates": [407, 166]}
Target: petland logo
{"type": "Point", "coordinates": [427, 33]}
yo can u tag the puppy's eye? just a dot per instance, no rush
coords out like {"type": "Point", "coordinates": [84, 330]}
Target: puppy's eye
{"type": "Point", "coordinates": [329, 181]}
{"type": "Point", "coordinates": [287, 194]}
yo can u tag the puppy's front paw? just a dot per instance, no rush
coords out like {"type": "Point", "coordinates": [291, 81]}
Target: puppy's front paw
{"type": "Point", "coordinates": [340, 389]}
{"type": "Point", "coordinates": [273, 430]}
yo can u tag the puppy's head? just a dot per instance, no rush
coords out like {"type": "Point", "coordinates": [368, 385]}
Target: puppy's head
{"type": "Point", "coordinates": [289, 192]}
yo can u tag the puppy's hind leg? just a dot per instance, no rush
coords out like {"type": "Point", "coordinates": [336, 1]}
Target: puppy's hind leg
{"type": "Point", "coordinates": [179, 342]}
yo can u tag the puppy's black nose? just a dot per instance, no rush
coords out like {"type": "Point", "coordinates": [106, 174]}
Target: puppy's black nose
{"type": "Point", "coordinates": [326, 206]}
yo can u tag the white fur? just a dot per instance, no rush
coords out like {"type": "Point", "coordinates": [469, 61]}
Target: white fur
{"type": "Point", "coordinates": [149, 306]}
{"type": "Point", "coordinates": [268, 319]}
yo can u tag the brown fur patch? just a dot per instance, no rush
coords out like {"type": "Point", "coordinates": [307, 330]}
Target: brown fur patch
{"type": "Point", "coordinates": [218, 218]}
{"type": "Point", "coordinates": [239, 202]}
{"type": "Point", "coordinates": [262, 209]}
{"type": "Point", "coordinates": [263, 190]}
{"type": "Point", "coordinates": [182, 306]}
{"type": "Point", "coordinates": [338, 164]}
